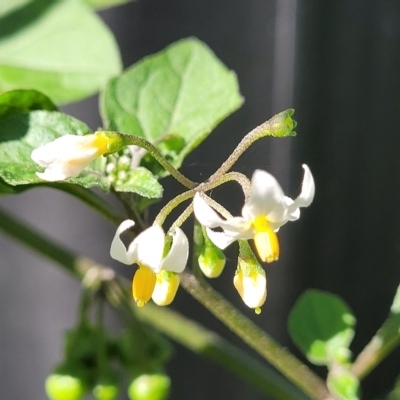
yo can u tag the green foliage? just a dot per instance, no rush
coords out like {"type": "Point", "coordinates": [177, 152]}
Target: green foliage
{"type": "Point", "coordinates": [26, 100]}
{"type": "Point", "coordinates": [105, 3]}
{"type": "Point", "coordinates": [22, 132]}
{"type": "Point", "coordinates": [322, 325]}
{"type": "Point", "coordinates": [58, 47]}
{"type": "Point", "coordinates": [183, 91]}
{"type": "Point", "coordinates": [125, 176]}
{"type": "Point", "coordinates": [140, 181]}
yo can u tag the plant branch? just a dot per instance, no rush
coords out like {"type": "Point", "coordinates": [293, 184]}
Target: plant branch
{"type": "Point", "coordinates": [206, 343]}
{"type": "Point", "coordinates": [256, 338]}
{"type": "Point", "coordinates": [90, 198]}
{"type": "Point", "coordinates": [385, 340]}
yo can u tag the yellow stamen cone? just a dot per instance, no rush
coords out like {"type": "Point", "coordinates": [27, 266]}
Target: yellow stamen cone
{"type": "Point", "coordinates": [143, 285]}
{"type": "Point", "coordinates": [167, 285]}
{"type": "Point", "coordinates": [265, 240]}
{"type": "Point", "coordinates": [252, 288]}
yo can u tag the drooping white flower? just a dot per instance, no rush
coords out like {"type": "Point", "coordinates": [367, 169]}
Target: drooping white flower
{"type": "Point", "coordinates": [147, 250]}
{"type": "Point", "coordinates": [68, 155]}
{"type": "Point", "coordinates": [262, 215]}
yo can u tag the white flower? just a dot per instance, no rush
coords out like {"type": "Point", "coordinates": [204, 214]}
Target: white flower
{"type": "Point", "coordinates": [147, 250]}
{"type": "Point", "coordinates": [68, 155]}
{"type": "Point", "coordinates": [262, 215]}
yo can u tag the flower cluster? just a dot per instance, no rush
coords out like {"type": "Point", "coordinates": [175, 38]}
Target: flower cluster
{"type": "Point", "coordinates": [266, 210]}
{"type": "Point", "coordinates": [162, 257]}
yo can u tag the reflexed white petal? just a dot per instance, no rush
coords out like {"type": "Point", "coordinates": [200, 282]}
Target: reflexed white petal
{"type": "Point", "coordinates": [204, 213]}
{"type": "Point", "coordinates": [148, 247]}
{"type": "Point", "coordinates": [306, 196]}
{"type": "Point", "coordinates": [293, 213]}
{"type": "Point", "coordinates": [178, 254]}
{"type": "Point", "coordinates": [266, 198]}
{"type": "Point", "coordinates": [221, 239]}
{"type": "Point", "coordinates": [118, 250]}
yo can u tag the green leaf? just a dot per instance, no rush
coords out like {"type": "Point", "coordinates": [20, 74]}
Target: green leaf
{"type": "Point", "coordinates": [27, 100]}
{"type": "Point", "coordinates": [184, 91]}
{"type": "Point", "coordinates": [140, 181]}
{"type": "Point", "coordinates": [8, 6]}
{"type": "Point", "coordinates": [60, 48]}
{"type": "Point", "coordinates": [21, 132]}
{"type": "Point", "coordinates": [322, 325]}
{"type": "Point", "coordinates": [105, 3]}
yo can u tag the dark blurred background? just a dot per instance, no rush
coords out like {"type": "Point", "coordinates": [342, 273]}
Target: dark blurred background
{"type": "Point", "coordinates": [337, 63]}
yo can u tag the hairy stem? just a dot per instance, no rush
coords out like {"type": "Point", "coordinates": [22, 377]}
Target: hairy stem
{"type": "Point", "coordinates": [204, 343]}
{"type": "Point", "coordinates": [256, 338]}
{"type": "Point", "coordinates": [385, 340]}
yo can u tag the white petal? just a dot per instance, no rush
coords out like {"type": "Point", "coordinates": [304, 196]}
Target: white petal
{"type": "Point", "coordinates": [267, 198]}
{"type": "Point", "coordinates": [306, 196]}
{"type": "Point", "coordinates": [177, 256]}
{"type": "Point", "coordinates": [118, 250]}
{"type": "Point", "coordinates": [205, 214]}
{"type": "Point", "coordinates": [223, 240]}
{"type": "Point", "coordinates": [148, 247]}
{"type": "Point", "coordinates": [66, 156]}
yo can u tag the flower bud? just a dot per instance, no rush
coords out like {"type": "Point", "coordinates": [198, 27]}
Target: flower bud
{"type": "Point", "coordinates": [211, 260]}
{"type": "Point", "coordinates": [150, 387]}
{"type": "Point", "coordinates": [68, 155]}
{"type": "Point", "coordinates": [167, 285]}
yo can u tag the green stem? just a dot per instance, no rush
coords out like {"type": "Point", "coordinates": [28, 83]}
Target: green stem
{"type": "Point", "coordinates": [144, 144]}
{"type": "Point", "coordinates": [280, 125]}
{"type": "Point", "coordinates": [210, 345]}
{"type": "Point", "coordinates": [91, 199]}
{"type": "Point", "coordinates": [115, 289]}
{"type": "Point", "coordinates": [256, 338]}
{"type": "Point", "coordinates": [203, 187]}
{"type": "Point", "coordinates": [385, 340]}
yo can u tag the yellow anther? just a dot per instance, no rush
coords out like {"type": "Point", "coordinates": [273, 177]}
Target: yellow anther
{"type": "Point", "coordinates": [166, 288]}
{"type": "Point", "coordinates": [265, 240]}
{"type": "Point", "coordinates": [143, 285]}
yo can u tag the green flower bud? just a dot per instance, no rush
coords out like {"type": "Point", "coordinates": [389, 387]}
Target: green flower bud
{"type": "Point", "coordinates": [64, 387]}
{"type": "Point", "coordinates": [150, 387]}
{"type": "Point", "coordinates": [211, 260]}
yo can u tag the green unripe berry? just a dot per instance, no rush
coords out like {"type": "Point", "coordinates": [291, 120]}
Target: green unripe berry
{"type": "Point", "coordinates": [64, 387]}
{"type": "Point", "coordinates": [105, 391]}
{"type": "Point", "coordinates": [149, 387]}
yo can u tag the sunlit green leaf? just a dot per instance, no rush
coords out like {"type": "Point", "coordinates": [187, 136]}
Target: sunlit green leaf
{"type": "Point", "coordinates": [183, 91]}
{"type": "Point", "coordinates": [105, 3]}
{"type": "Point", "coordinates": [7, 6]}
{"type": "Point", "coordinates": [21, 132]}
{"type": "Point", "coordinates": [27, 100]}
{"type": "Point", "coordinates": [60, 48]}
{"type": "Point", "coordinates": [140, 181]}
{"type": "Point", "coordinates": [322, 325]}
